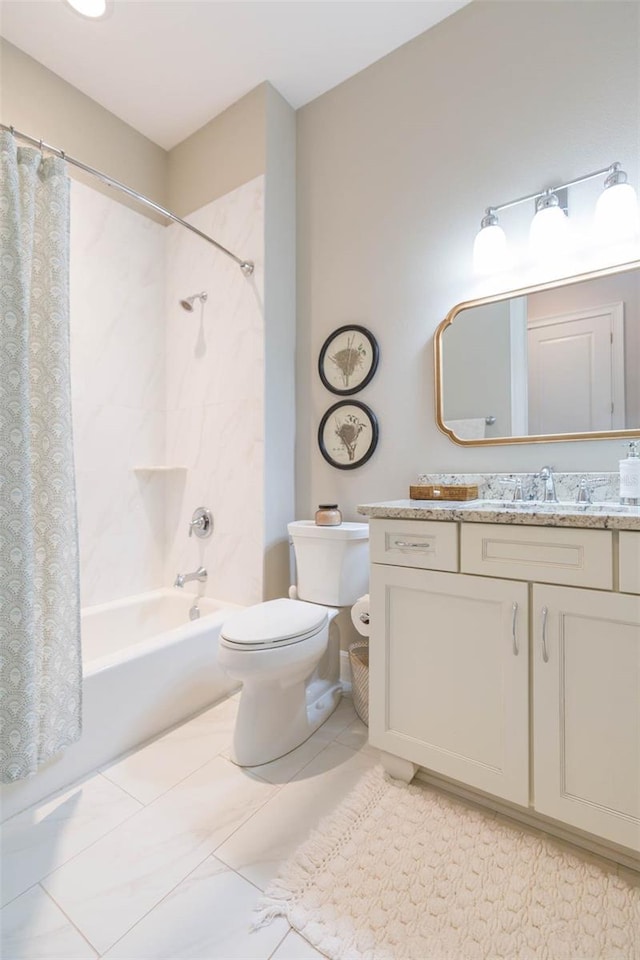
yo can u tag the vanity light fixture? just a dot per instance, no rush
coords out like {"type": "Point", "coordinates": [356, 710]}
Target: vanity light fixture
{"type": "Point", "coordinates": [617, 216]}
{"type": "Point", "coordinates": [549, 231]}
{"type": "Point", "coordinates": [616, 219]}
{"type": "Point", "coordinates": [490, 245]}
{"type": "Point", "coordinates": [93, 9]}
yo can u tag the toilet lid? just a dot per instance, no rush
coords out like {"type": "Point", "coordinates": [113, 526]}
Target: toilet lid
{"type": "Point", "coordinates": [274, 621]}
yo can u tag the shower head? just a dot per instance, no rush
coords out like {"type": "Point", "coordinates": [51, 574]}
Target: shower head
{"type": "Point", "coordinates": [187, 303]}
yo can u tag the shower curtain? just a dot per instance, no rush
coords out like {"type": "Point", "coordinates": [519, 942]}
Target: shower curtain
{"type": "Point", "coordinates": [40, 663]}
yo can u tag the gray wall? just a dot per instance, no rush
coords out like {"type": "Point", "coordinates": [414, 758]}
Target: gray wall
{"type": "Point", "coordinates": [225, 153]}
{"type": "Point", "coordinates": [395, 167]}
{"type": "Point", "coordinates": [38, 102]}
{"type": "Point", "coordinates": [476, 367]}
{"type": "Point", "coordinates": [280, 339]}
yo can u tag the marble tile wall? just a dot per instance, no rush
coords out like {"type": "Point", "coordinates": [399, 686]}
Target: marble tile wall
{"type": "Point", "coordinates": [215, 397]}
{"type": "Point", "coordinates": [118, 383]}
{"type": "Point", "coordinates": [152, 385]}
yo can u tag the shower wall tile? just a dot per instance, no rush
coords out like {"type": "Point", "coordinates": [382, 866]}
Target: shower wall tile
{"type": "Point", "coordinates": [153, 384]}
{"type": "Point", "coordinates": [118, 383]}
{"type": "Point", "coordinates": [215, 396]}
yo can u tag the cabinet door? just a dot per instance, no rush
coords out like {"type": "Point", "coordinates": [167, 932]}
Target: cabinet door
{"type": "Point", "coordinates": [448, 657]}
{"type": "Point", "coordinates": [586, 710]}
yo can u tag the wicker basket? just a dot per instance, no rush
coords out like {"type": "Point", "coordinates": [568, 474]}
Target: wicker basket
{"type": "Point", "coordinates": [359, 660]}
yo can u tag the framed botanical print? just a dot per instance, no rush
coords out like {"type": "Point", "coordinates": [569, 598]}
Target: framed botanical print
{"type": "Point", "coordinates": [348, 434]}
{"type": "Point", "coordinates": [348, 359]}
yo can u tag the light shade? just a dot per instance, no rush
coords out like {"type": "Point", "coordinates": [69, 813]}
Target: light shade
{"type": "Point", "coordinates": [89, 8]}
{"type": "Point", "coordinates": [490, 246]}
{"type": "Point", "coordinates": [549, 235]}
{"type": "Point", "coordinates": [617, 216]}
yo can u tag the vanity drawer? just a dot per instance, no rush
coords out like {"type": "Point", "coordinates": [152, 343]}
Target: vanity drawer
{"type": "Point", "coordinates": [629, 561]}
{"type": "Point", "coordinates": [578, 558]}
{"type": "Point", "coordinates": [429, 545]}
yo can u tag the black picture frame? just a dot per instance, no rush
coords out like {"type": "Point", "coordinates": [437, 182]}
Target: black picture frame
{"type": "Point", "coordinates": [354, 347]}
{"type": "Point", "coordinates": [344, 451]}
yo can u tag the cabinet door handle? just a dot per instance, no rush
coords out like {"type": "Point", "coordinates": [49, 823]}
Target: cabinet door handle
{"type": "Point", "coordinates": [545, 652]}
{"type": "Point", "coordinates": [407, 543]}
{"type": "Point", "coordinates": [514, 617]}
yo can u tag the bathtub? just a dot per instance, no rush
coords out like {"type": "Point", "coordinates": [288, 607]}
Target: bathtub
{"type": "Point", "coordinates": [146, 667]}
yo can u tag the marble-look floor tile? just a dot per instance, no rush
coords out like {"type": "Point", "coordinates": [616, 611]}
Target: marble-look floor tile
{"type": "Point", "coordinates": [340, 719]}
{"type": "Point", "coordinates": [149, 772]}
{"type": "Point", "coordinates": [43, 837]}
{"type": "Point", "coordinates": [356, 736]}
{"type": "Point", "coordinates": [257, 849]}
{"type": "Point", "coordinates": [295, 947]}
{"type": "Point", "coordinates": [34, 928]}
{"type": "Point", "coordinates": [285, 768]}
{"type": "Point", "coordinates": [208, 915]}
{"type": "Point", "coordinates": [106, 889]}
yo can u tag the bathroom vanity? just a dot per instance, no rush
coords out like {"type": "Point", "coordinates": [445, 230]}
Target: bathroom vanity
{"type": "Point", "coordinates": [505, 658]}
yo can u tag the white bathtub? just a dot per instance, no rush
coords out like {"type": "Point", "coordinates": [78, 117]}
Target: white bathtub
{"type": "Point", "coordinates": [146, 666]}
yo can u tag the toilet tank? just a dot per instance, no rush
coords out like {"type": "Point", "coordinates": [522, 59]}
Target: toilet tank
{"type": "Point", "coordinates": [332, 562]}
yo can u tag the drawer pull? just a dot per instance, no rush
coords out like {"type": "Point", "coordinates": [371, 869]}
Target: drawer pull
{"type": "Point", "coordinates": [412, 546]}
{"type": "Point", "coordinates": [514, 617]}
{"type": "Point", "coordinates": [545, 652]}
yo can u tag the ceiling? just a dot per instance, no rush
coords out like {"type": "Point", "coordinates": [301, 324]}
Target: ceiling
{"type": "Point", "coordinates": [168, 66]}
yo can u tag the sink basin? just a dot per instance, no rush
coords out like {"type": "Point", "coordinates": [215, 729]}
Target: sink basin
{"type": "Point", "coordinates": [546, 506]}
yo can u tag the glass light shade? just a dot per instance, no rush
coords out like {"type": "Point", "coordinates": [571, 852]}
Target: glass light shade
{"type": "Point", "coordinates": [490, 250]}
{"type": "Point", "coordinates": [549, 235]}
{"type": "Point", "coordinates": [617, 216]}
{"type": "Point", "coordinates": [89, 8]}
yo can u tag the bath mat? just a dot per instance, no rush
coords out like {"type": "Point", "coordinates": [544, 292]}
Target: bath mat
{"type": "Point", "coordinates": [403, 872]}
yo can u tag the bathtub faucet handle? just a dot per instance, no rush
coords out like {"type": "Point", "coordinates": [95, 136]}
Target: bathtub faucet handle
{"type": "Point", "coordinates": [201, 522]}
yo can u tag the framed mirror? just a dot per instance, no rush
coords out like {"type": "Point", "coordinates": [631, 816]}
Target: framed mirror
{"type": "Point", "coordinates": [557, 361]}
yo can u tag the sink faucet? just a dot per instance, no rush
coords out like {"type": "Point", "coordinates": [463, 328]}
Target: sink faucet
{"type": "Point", "coordinates": [518, 493]}
{"type": "Point", "coordinates": [182, 578]}
{"type": "Point", "coordinates": [546, 475]}
{"type": "Point", "coordinates": [586, 487]}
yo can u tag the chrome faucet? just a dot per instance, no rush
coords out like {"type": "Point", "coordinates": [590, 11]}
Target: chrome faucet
{"type": "Point", "coordinates": [182, 578]}
{"type": "Point", "coordinates": [546, 475]}
{"type": "Point", "coordinates": [586, 488]}
{"type": "Point", "coordinates": [518, 493]}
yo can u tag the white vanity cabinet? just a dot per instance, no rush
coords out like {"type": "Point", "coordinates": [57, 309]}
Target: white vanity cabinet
{"type": "Point", "coordinates": [449, 675]}
{"type": "Point", "coordinates": [491, 680]}
{"type": "Point", "coordinates": [586, 710]}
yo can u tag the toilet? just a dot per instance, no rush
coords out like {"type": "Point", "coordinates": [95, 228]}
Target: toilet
{"type": "Point", "coordinates": [285, 653]}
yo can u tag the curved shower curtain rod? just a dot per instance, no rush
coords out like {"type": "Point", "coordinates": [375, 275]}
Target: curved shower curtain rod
{"type": "Point", "coordinates": [245, 265]}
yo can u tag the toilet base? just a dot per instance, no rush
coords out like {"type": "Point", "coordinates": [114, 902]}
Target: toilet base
{"type": "Point", "coordinates": [259, 736]}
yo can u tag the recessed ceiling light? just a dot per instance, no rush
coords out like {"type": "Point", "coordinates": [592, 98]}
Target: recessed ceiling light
{"type": "Point", "coordinates": [89, 8]}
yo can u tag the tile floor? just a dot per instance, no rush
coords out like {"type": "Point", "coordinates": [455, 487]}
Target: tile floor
{"type": "Point", "coordinates": [163, 854]}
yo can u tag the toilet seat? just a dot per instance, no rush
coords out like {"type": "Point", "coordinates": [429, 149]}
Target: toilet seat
{"type": "Point", "coordinates": [275, 623]}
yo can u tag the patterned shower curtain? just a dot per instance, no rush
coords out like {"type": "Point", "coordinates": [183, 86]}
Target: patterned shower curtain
{"type": "Point", "coordinates": [40, 663]}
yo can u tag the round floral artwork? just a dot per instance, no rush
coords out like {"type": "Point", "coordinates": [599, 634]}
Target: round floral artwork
{"type": "Point", "coordinates": [348, 434]}
{"type": "Point", "coordinates": [348, 359]}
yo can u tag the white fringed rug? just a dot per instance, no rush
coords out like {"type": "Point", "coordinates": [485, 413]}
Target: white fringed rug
{"type": "Point", "coordinates": [408, 873]}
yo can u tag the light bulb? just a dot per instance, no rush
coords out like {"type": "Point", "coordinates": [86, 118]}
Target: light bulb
{"type": "Point", "coordinates": [89, 8]}
{"type": "Point", "coordinates": [549, 234]}
{"type": "Point", "coordinates": [617, 216]}
{"type": "Point", "coordinates": [489, 246]}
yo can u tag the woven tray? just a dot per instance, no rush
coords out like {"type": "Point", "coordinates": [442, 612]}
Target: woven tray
{"type": "Point", "coordinates": [443, 492]}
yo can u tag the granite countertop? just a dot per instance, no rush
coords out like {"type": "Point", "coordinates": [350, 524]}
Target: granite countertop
{"type": "Point", "coordinates": [598, 516]}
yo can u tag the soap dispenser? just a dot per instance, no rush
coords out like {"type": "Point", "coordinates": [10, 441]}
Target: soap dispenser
{"type": "Point", "coordinates": [630, 476]}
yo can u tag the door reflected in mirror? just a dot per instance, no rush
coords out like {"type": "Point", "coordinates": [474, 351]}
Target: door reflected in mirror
{"type": "Point", "coordinates": [554, 362]}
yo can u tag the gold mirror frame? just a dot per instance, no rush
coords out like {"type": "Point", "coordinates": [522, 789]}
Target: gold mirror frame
{"type": "Point", "coordinates": [508, 295]}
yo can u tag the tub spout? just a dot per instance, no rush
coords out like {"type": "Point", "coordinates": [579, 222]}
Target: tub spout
{"type": "Point", "coordinates": [182, 578]}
